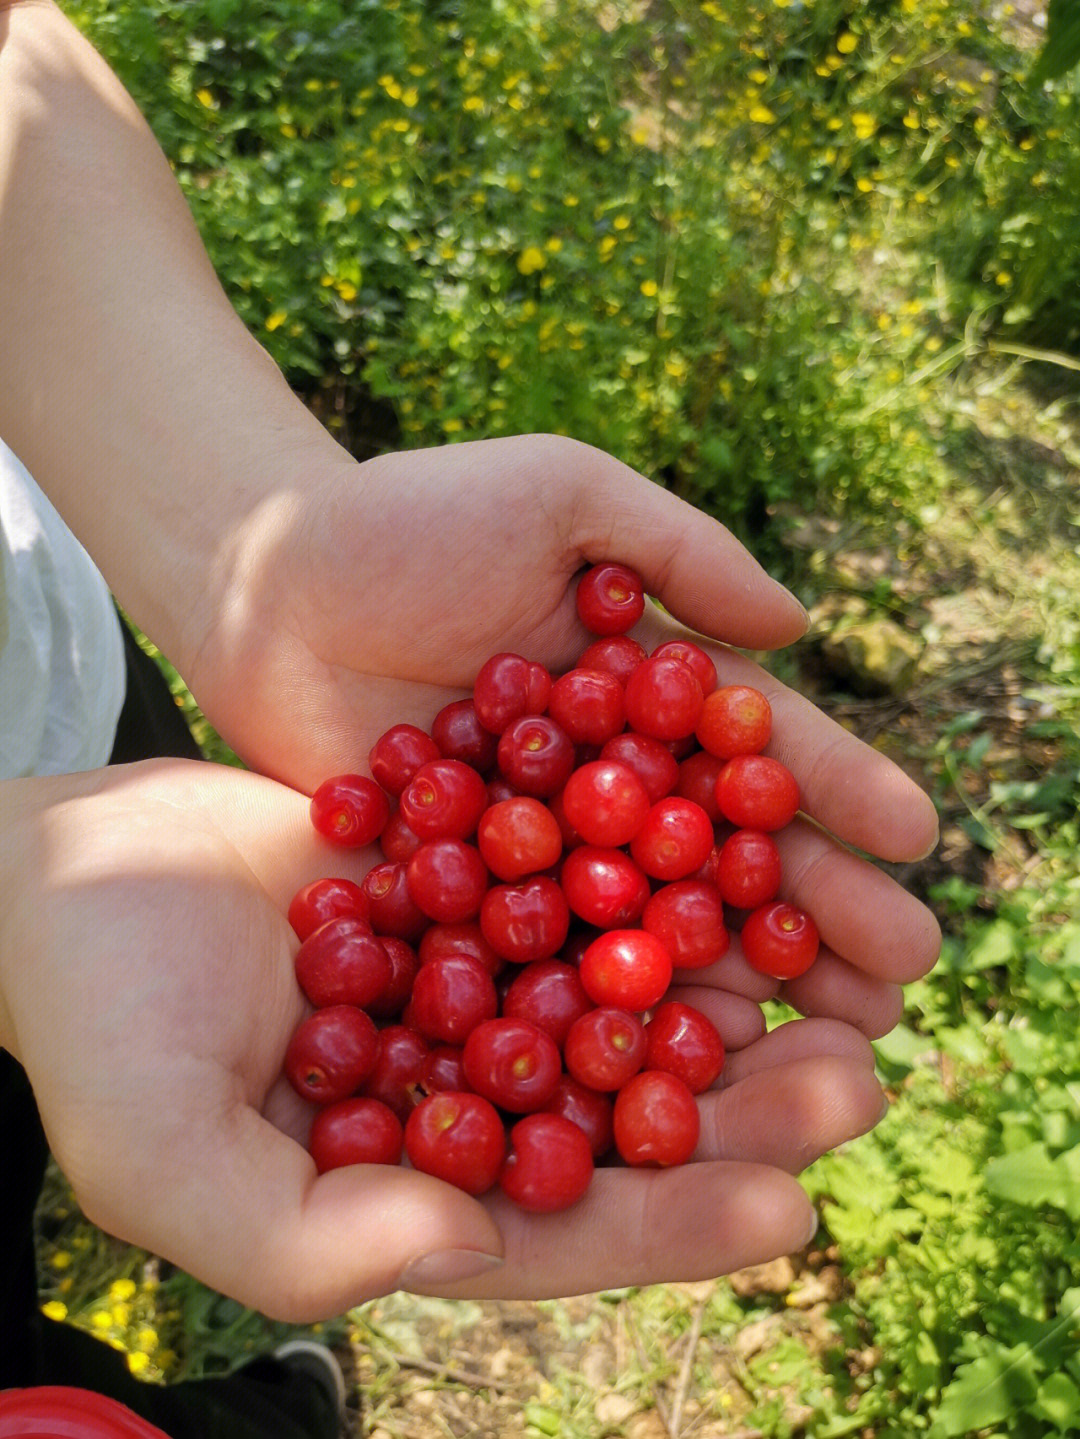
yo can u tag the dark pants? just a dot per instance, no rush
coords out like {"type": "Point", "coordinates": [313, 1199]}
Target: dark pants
{"type": "Point", "coordinates": [262, 1400]}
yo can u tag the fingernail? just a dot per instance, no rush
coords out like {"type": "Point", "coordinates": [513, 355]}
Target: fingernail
{"type": "Point", "coordinates": [886, 1105]}
{"type": "Point", "coordinates": [446, 1266]}
{"type": "Point", "coordinates": [814, 1221]}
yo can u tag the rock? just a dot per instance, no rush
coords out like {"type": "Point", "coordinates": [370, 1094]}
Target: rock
{"type": "Point", "coordinates": [872, 653]}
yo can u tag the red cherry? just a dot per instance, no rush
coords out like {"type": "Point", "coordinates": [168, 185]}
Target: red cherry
{"type": "Point", "coordinates": [444, 1069]}
{"type": "Point", "coordinates": [650, 759]}
{"type": "Point", "coordinates": [349, 810]}
{"type": "Point", "coordinates": [393, 911]}
{"type": "Point", "coordinates": [325, 899]}
{"type": "Point", "coordinates": [512, 1063]}
{"type": "Point", "coordinates": [626, 969]}
{"type": "Point", "coordinates": [457, 731]}
{"type": "Point", "coordinates": [757, 792]}
{"type": "Point", "coordinates": [457, 1137]}
{"type": "Point", "coordinates": [331, 1053]}
{"type": "Point", "coordinates": [605, 802]}
{"type": "Point", "coordinates": [779, 940]}
{"type": "Point", "coordinates": [656, 1120]}
{"type": "Point", "coordinates": [507, 687]}
{"type": "Point", "coordinates": [397, 841]}
{"type": "Point", "coordinates": [588, 1108]}
{"type": "Point", "coordinates": [396, 1073]}
{"type": "Point", "coordinates": [605, 1048]}
{"type": "Point", "coordinates": [464, 938]}
{"type": "Point", "coordinates": [688, 918]}
{"type": "Point", "coordinates": [698, 774]}
{"type": "Point", "coordinates": [747, 869]}
{"type": "Point", "coordinates": [588, 705]}
{"type": "Point", "coordinates": [342, 962]}
{"type": "Point", "coordinates": [518, 837]}
{"type": "Point", "coordinates": [674, 839]}
{"type": "Point", "coordinates": [734, 720]}
{"type": "Point", "coordinates": [398, 754]}
{"type": "Point", "coordinates": [610, 599]}
{"type": "Point", "coordinates": [549, 994]}
{"type": "Point", "coordinates": [536, 755]}
{"type": "Point", "coordinates": [447, 879]}
{"type": "Point", "coordinates": [616, 655]}
{"type": "Point", "coordinates": [549, 1165]}
{"type": "Point", "coordinates": [682, 1041]}
{"type": "Point", "coordinates": [663, 698]}
{"type": "Point", "coordinates": [694, 656]}
{"type": "Point", "coordinates": [604, 887]}
{"type": "Point", "coordinates": [451, 996]}
{"type": "Point", "coordinates": [444, 800]}
{"type": "Point", "coordinates": [404, 962]}
{"type": "Point", "coordinates": [355, 1131]}
{"type": "Point", "coordinates": [526, 921]}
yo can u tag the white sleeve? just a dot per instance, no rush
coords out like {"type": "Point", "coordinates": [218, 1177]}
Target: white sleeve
{"type": "Point", "coordinates": [62, 670]}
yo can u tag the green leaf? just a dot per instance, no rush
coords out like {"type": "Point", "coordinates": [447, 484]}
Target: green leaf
{"type": "Point", "coordinates": [1033, 1178]}
{"type": "Point", "coordinates": [1061, 49]}
{"type": "Point", "coordinates": [986, 1391]}
{"type": "Point", "coordinates": [1058, 1401]}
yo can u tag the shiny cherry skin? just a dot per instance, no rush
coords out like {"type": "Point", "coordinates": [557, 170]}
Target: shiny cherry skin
{"type": "Point", "coordinates": [688, 918]}
{"type": "Point", "coordinates": [458, 1137]}
{"type": "Point", "coordinates": [674, 839]}
{"type": "Point", "coordinates": [605, 1048]}
{"type": "Point", "coordinates": [536, 755]}
{"type": "Point", "coordinates": [507, 687]}
{"type": "Point", "coordinates": [349, 810]}
{"type": "Point", "coordinates": [331, 1053]}
{"type": "Point", "coordinates": [519, 836]}
{"type": "Point", "coordinates": [734, 720]}
{"type": "Point", "coordinates": [610, 599]}
{"type": "Point", "coordinates": [549, 1164]}
{"type": "Point", "coordinates": [663, 698]}
{"type": "Point", "coordinates": [343, 962]}
{"type": "Point", "coordinates": [604, 886]}
{"type": "Point", "coordinates": [656, 1120]}
{"type": "Point", "coordinates": [747, 869]}
{"type": "Point", "coordinates": [617, 655]}
{"type": "Point", "coordinates": [588, 705]}
{"type": "Point", "coordinates": [755, 791]}
{"type": "Point", "coordinates": [513, 1063]}
{"type": "Point", "coordinates": [605, 802]}
{"type": "Point", "coordinates": [626, 969]}
{"type": "Point", "coordinates": [451, 995]}
{"type": "Point", "coordinates": [779, 940]}
{"type": "Point", "coordinates": [548, 993]}
{"type": "Point", "coordinates": [444, 800]}
{"type": "Point", "coordinates": [526, 921]}
{"type": "Point", "coordinates": [457, 731]}
{"type": "Point", "coordinates": [355, 1131]}
{"type": "Point", "coordinates": [397, 754]}
{"type": "Point", "coordinates": [447, 879]}
{"type": "Point", "coordinates": [590, 1109]}
{"type": "Point", "coordinates": [684, 1042]}
{"type": "Point", "coordinates": [323, 899]}
{"type": "Point", "coordinates": [650, 759]}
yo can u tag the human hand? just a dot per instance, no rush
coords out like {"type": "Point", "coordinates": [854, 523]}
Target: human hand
{"type": "Point", "coordinates": [147, 987]}
{"type": "Point", "coordinates": [375, 596]}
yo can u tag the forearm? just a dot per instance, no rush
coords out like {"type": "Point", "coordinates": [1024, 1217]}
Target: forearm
{"type": "Point", "coordinates": [129, 387]}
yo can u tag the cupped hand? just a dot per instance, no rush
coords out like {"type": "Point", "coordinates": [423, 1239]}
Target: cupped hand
{"type": "Point", "coordinates": [375, 595]}
{"type": "Point", "coordinates": [148, 989]}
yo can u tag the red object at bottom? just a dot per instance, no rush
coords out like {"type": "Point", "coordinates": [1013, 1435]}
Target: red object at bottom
{"type": "Point", "coordinates": [56, 1412]}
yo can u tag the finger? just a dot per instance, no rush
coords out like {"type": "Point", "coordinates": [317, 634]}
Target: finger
{"type": "Point", "coordinates": [687, 559]}
{"type": "Point", "coordinates": [639, 1227]}
{"type": "Point", "coordinates": [738, 1021]}
{"type": "Point", "coordinates": [238, 1205]}
{"type": "Point", "coordinates": [838, 990]}
{"type": "Point", "coordinates": [861, 913]}
{"type": "Point", "coordinates": [791, 1113]}
{"type": "Point", "coordinates": [796, 1040]}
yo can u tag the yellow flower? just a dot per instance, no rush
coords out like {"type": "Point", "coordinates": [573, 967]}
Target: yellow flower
{"type": "Point", "coordinates": [865, 125]}
{"type": "Point", "coordinates": [121, 1290]}
{"type": "Point", "coordinates": [276, 320]}
{"type": "Point", "coordinates": [101, 1319]}
{"type": "Point", "coordinates": [205, 99]}
{"type": "Point", "coordinates": [54, 1309]}
{"type": "Point", "coordinates": [61, 1259]}
{"type": "Point", "coordinates": [911, 121]}
{"type": "Point", "coordinates": [761, 115]}
{"type": "Point", "coordinates": [121, 1315]}
{"type": "Point", "coordinates": [649, 288]}
{"type": "Point", "coordinates": [864, 185]}
{"type": "Point", "coordinates": [607, 244]}
{"type": "Point", "coordinates": [147, 1339]}
{"type": "Point", "coordinates": [846, 43]}
{"type": "Point", "coordinates": [1003, 278]}
{"type": "Point", "coordinates": [531, 259]}
{"type": "Point", "coordinates": [554, 245]}
{"type": "Point", "coordinates": [452, 426]}
{"type": "Point", "coordinates": [473, 102]}
{"type": "Point", "coordinates": [138, 1362]}
{"type": "Point", "coordinates": [639, 135]}
{"type": "Point", "coordinates": [411, 97]}
{"type": "Point", "coordinates": [621, 222]}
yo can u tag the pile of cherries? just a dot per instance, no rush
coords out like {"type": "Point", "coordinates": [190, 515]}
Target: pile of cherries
{"type": "Point", "coordinates": [490, 1002]}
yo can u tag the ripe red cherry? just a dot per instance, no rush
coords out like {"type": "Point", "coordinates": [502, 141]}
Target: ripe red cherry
{"type": "Point", "coordinates": [457, 1137]}
{"type": "Point", "coordinates": [536, 755]}
{"type": "Point", "coordinates": [605, 1048]}
{"type": "Point", "coordinates": [757, 792]}
{"type": "Point", "coordinates": [549, 994]}
{"type": "Point", "coordinates": [393, 911]}
{"type": "Point", "coordinates": [397, 841]}
{"type": "Point", "coordinates": [519, 836]}
{"type": "Point", "coordinates": [683, 1041]}
{"type": "Point", "coordinates": [610, 599]}
{"type": "Point", "coordinates": [512, 1063]}
{"type": "Point", "coordinates": [698, 774]}
{"type": "Point", "coordinates": [605, 802]}
{"type": "Point", "coordinates": [343, 962]}
{"type": "Point", "coordinates": [444, 1069]}
{"type": "Point", "coordinates": [588, 1108]}
{"type": "Point", "coordinates": [444, 799]}
{"type": "Point", "coordinates": [355, 1131]}
{"type": "Point", "coordinates": [663, 698]}
{"type": "Point", "coordinates": [465, 938]}
{"type": "Point", "coordinates": [549, 1165]}
{"type": "Point", "coordinates": [331, 1053]}
{"type": "Point", "coordinates": [688, 918]}
{"type": "Point", "coordinates": [626, 969]}
{"type": "Point", "coordinates": [507, 687]}
{"type": "Point", "coordinates": [588, 705]}
{"type": "Point", "coordinates": [734, 720]}
{"type": "Point", "coordinates": [398, 753]}
{"type": "Point", "coordinates": [604, 887]}
{"type": "Point", "coordinates": [447, 879]}
{"type": "Point", "coordinates": [747, 869]}
{"type": "Point", "coordinates": [779, 940]}
{"type": "Point", "coordinates": [526, 921]}
{"type": "Point", "coordinates": [694, 656]}
{"type": "Point", "coordinates": [326, 899]}
{"type": "Point", "coordinates": [674, 840]}
{"type": "Point", "coordinates": [451, 996]}
{"type": "Point", "coordinates": [616, 655]}
{"type": "Point", "coordinates": [650, 759]}
{"type": "Point", "coordinates": [457, 731]}
{"type": "Point", "coordinates": [349, 809]}
{"type": "Point", "coordinates": [398, 1067]}
{"type": "Point", "coordinates": [656, 1120]}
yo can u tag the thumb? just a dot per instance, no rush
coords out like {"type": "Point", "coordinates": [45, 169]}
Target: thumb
{"type": "Point", "coordinates": [689, 561]}
{"type": "Point", "coordinates": [252, 1219]}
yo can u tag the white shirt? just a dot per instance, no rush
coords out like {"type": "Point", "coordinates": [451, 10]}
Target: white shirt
{"type": "Point", "coordinates": [62, 674]}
